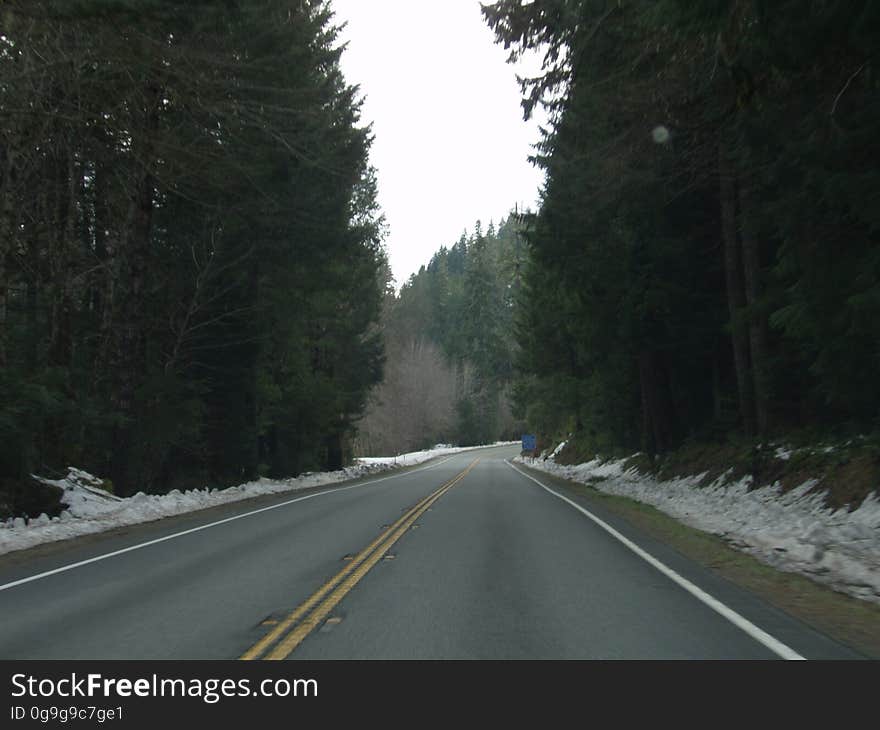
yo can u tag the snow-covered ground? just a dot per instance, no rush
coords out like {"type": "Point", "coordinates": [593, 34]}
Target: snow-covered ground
{"type": "Point", "coordinates": [91, 509]}
{"type": "Point", "coordinates": [792, 531]}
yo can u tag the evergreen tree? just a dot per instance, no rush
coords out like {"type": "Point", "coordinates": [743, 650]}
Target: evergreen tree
{"type": "Point", "coordinates": [704, 260]}
{"type": "Point", "coordinates": [190, 248]}
{"type": "Point", "coordinates": [453, 319]}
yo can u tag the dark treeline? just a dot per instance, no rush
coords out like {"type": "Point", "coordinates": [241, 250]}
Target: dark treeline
{"type": "Point", "coordinates": [449, 341]}
{"type": "Point", "coordinates": [706, 259]}
{"type": "Point", "coordinates": [189, 242]}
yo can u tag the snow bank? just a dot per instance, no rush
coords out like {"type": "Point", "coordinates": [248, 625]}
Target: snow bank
{"type": "Point", "coordinates": [417, 457]}
{"type": "Point", "coordinates": [90, 509]}
{"type": "Point", "coordinates": [794, 531]}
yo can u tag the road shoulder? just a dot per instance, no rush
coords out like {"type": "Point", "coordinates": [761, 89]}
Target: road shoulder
{"type": "Point", "coordinates": [847, 620]}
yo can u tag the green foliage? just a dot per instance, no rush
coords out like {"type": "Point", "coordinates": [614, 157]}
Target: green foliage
{"type": "Point", "coordinates": [190, 242]}
{"type": "Point", "coordinates": [450, 344]}
{"type": "Point", "coordinates": [724, 277]}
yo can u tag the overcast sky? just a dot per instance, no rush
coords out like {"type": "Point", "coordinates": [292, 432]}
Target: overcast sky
{"type": "Point", "coordinates": [450, 143]}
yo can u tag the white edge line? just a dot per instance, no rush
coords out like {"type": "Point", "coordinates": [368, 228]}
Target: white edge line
{"type": "Point", "coordinates": [129, 549]}
{"type": "Point", "coordinates": [758, 634]}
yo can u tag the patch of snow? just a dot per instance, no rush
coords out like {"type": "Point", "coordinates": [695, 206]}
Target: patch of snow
{"type": "Point", "coordinates": [783, 453]}
{"type": "Point", "coordinates": [91, 509]}
{"type": "Point", "coordinates": [792, 531]}
{"type": "Point", "coordinates": [83, 495]}
{"type": "Point", "coordinates": [418, 457]}
{"type": "Point", "coordinates": [562, 445]}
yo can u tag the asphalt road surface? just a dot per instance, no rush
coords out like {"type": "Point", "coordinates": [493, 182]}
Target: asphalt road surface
{"type": "Point", "coordinates": [463, 558]}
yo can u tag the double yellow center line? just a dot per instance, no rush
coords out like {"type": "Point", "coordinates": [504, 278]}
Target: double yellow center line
{"type": "Point", "coordinates": [289, 633]}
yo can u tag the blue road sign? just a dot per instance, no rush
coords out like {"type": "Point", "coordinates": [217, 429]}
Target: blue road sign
{"type": "Point", "coordinates": [529, 442]}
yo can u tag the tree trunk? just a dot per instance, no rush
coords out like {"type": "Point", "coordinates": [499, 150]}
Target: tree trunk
{"type": "Point", "coordinates": [129, 333]}
{"type": "Point", "coordinates": [32, 308]}
{"type": "Point", "coordinates": [656, 406]}
{"type": "Point", "coordinates": [735, 294]}
{"type": "Point", "coordinates": [647, 444]}
{"type": "Point", "coordinates": [60, 336]}
{"type": "Point", "coordinates": [105, 299]}
{"type": "Point", "coordinates": [717, 395]}
{"type": "Point", "coordinates": [7, 228]}
{"type": "Point", "coordinates": [333, 444]}
{"type": "Point", "coordinates": [757, 327]}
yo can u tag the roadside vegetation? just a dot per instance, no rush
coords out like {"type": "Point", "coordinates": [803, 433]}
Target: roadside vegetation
{"type": "Point", "coordinates": [191, 260]}
{"type": "Point", "coordinates": [701, 284]}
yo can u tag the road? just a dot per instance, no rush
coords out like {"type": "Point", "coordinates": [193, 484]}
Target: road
{"type": "Point", "coordinates": [464, 558]}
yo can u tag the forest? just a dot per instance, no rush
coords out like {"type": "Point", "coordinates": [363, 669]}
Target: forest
{"type": "Point", "coordinates": [191, 259]}
{"type": "Point", "coordinates": [450, 348]}
{"type": "Point", "coordinates": [705, 262]}
{"type": "Point", "coordinates": [194, 287]}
